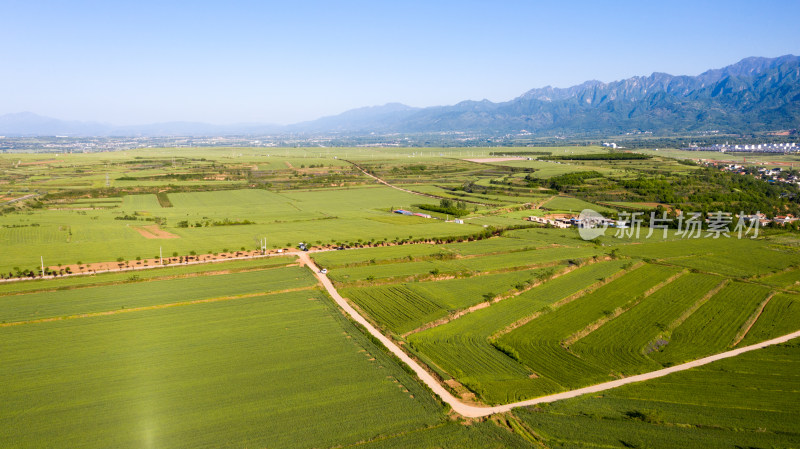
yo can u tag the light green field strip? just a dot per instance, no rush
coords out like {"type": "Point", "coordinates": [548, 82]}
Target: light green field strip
{"type": "Point", "coordinates": [153, 307]}
{"type": "Point", "coordinates": [282, 370]}
{"type": "Point", "coordinates": [36, 306]}
{"type": "Point", "coordinates": [155, 273]}
{"type": "Point", "coordinates": [330, 216]}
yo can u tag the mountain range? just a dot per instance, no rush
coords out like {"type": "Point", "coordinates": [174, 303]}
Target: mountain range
{"type": "Point", "coordinates": [755, 94]}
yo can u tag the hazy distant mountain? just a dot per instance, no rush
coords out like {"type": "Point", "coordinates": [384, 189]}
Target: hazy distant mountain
{"type": "Point", "coordinates": [752, 95]}
{"type": "Point", "coordinates": [30, 124]}
{"type": "Point", "coordinates": [365, 119]}
{"type": "Point", "coordinates": [194, 129]}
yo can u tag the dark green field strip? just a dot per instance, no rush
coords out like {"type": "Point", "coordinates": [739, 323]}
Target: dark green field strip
{"type": "Point", "coordinates": [395, 307]}
{"type": "Point", "coordinates": [713, 327]}
{"type": "Point", "coordinates": [33, 306]}
{"type": "Point", "coordinates": [621, 345]}
{"type": "Point", "coordinates": [781, 316]}
{"type": "Point", "coordinates": [404, 307]}
{"type": "Point", "coordinates": [140, 275]}
{"type": "Point", "coordinates": [752, 400]}
{"type": "Point", "coordinates": [274, 371]}
{"type": "Point", "coordinates": [477, 264]}
{"type": "Point", "coordinates": [462, 348]}
{"type": "Point", "coordinates": [539, 342]}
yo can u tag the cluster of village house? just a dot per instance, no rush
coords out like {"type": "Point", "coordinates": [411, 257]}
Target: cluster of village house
{"type": "Point", "coordinates": [772, 175]}
{"type": "Point", "coordinates": [754, 148]}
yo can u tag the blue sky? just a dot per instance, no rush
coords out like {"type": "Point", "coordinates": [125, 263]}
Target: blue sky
{"type": "Point", "coordinates": [283, 62]}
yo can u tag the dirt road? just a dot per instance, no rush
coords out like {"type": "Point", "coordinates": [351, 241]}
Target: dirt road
{"type": "Point", "coordinates": [475, 412]}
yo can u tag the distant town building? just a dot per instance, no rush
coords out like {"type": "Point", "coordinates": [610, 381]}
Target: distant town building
{"type": "Point", "coordinates": [755, 148]}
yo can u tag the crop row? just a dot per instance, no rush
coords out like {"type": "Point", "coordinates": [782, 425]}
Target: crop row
{"type": "Point", "coordinates": [780, 317]}
{"type": "Point", "coordinates": [404, 307]}
{"type": "Point", "coordinates": [462, 347]}
{"type": "Point", "coordinates": [539, 343]}
{"type": "Point", "coordinates": [623, 343]}
{"type": "Point", "coordinates": [747, 401]}
{"type": "Point", "coordinates": [280, 371]}
{"type": "Point", "coordinates": [713, 327]}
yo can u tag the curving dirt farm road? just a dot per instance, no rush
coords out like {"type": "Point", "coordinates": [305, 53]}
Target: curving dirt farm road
{"type": "Point", "coordinates": [472, 411]}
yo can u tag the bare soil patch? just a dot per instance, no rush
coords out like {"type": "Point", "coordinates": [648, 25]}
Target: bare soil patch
{"type": "Point", "coordinates": [154, 232]}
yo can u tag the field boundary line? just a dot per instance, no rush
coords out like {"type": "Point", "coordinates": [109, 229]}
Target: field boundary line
{"type": "Point", "coordinates": [458, 314]}
{"type": "Point", "coordinates": [540, 205]}
{"type": "Point", "coordinates": [580, 293]}
{"type": "Point", "coordinates": [485, 304]}
{"type": "Point", "coordinates": [153, 307]}
{"type": "Point", "coordinates": [597, 324]}
{"type": "Point", "coordinates": [472, 411]}
{"type": "Point", "coordinates": [685, 315]}
{"type": "Point", "coordinates": [751, 320]}
{"type": "Point", "coordinates": [699, 303]}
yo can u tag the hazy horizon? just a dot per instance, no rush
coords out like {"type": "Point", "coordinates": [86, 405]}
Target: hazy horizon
{"type": "Point", "coordinates": [281, 64]}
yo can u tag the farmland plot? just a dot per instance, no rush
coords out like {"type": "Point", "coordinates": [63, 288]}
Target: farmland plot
{"type": "Point", "coordinates": [623, 343]}
{"type": "Point", "coordinates": [166, 272]}
{"type": "Point", "coordinates": [462, 347]}
{"type": "Point", "coordinates": [404, 307]}
{"type": "Point", "coordinates": [747, 401]}
{"type": "Point", "coordinates": [49, 304]}
{"type": "Point", "coordinates": [713, 327]}
{"type": "Point", "coordinates": [513, 260]}
{"type": "Point", "coordinates": [281, 370]}
{"type": "Point", "coordinates": [540, 343]}
{"type": "Point", "coordinates": [780, 317]}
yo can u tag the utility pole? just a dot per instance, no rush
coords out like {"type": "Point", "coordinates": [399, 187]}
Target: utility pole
{"type": "Point", "coordinates": [160, 256]}
{"type": "Point", "coordinates": [42, 260]}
